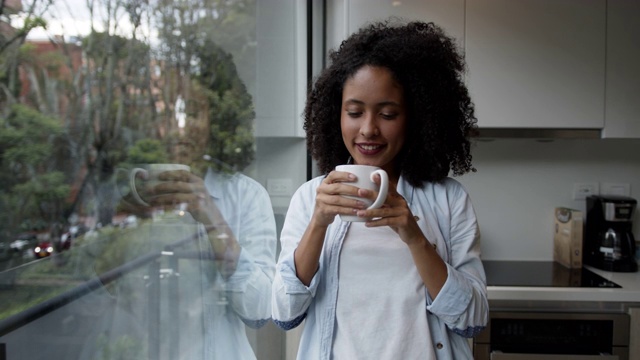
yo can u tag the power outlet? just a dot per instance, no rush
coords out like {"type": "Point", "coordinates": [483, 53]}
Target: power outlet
{"type": "Point", "coordinates": [279, 187]}
{"type": "Point", "coordinates": [582, 190]}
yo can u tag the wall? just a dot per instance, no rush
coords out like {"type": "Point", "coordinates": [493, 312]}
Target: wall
{"type": "Point", "coordinates": [519, 182]}
{"type": "Point", "coordinates": [280, 158]}
{"type": "Point", "coordinates": [517, 185]}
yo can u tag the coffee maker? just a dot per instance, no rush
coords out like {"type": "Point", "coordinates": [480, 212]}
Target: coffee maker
{"type": "Point", "coordinates": [608, 238]}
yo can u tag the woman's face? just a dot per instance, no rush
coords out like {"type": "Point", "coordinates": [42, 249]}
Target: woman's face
{"type": "Point", "coordinates": [373, 118]}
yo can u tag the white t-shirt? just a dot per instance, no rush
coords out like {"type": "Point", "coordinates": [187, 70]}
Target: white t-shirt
{"type": "Point", "coordinates": [380, 311]}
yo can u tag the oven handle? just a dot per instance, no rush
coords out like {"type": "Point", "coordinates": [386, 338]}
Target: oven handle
{"type": "Point", "coordinates": [498, 355]}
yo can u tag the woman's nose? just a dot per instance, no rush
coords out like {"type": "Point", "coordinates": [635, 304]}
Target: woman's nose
{"type": "Point", "coordinates": [369, 127]}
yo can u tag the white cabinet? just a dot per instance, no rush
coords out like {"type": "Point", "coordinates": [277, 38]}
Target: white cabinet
{"type": "Point", "coordinates": [281, 73]}
{"type": "Point", "coordinates": [622, 115]}
{"type": "Point", "coordinates": [344, 17]}
{"type": "Point", "coordinates": [537, 63]}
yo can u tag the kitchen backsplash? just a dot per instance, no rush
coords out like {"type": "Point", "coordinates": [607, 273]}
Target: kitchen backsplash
{"type": "Point", "coordinates": [519, 182]}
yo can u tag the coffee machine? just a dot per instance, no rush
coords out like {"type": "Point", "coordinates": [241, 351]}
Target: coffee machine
{"type": "Point", "coordinates": [608, 238]}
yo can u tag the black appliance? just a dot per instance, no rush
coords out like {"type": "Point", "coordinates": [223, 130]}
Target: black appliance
{"type": "Point", "coordinates": [553, 336]}
{"type": "Point", "coordinates": [608, 238]}
{"type": "Point", "coordinates": [541, 274]}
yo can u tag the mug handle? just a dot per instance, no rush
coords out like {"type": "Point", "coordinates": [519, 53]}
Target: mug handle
{"type": "Point", "coordinates": [132, 185]}
{"type": "Point", "coordinates": [384, 188]}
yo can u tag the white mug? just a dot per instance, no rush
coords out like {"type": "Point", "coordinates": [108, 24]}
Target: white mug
{"type": "Point", "coordinates": [150, 173]}
{"type": "Point", "coordinates": [364, 179]}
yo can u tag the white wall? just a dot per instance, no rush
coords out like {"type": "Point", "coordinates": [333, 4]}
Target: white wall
{"type": "Point", "coordinates": [280, 158]}
{"type": "Point", "coordinates": [519, 183]}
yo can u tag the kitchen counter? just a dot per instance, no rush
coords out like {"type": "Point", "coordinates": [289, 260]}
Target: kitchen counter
{"type": "Point", "coordinates": [629, 293]}
{"type": "Point", "coordinates": [561, 299]}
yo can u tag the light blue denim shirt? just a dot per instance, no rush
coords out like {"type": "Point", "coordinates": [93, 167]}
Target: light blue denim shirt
{"type": "Point", "coordinates": [212, 311]}
{"type": "Point", "coordinates": [247, 209]}
{"type": "Point", "coordinates": [447, 219]}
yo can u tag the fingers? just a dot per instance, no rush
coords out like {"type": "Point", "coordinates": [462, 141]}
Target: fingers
{"type": "Point", "coordinates": [179, 181]}
{"type": "Point", "coordinates": [395, 211]}
{"type": "Point", "coordinates": [337, 183]}
{"type": "Point", "coordinates": [339, 177]}
{"type": "Point", "coordinates": [338, 204]}
{"type": "Point", "coordinates": [336, 196]}
{"type": "Point", "coordinates": [174, 187]}
{"type": "Point", "coordinates": [178, 175]}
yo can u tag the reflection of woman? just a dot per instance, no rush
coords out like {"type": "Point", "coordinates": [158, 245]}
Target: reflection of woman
{"type": "Point", "coordinates": [229, 286]}
{"type": "Point", "coordinates": [408, 284]}
{"type": "Point", "coordinates": [240, 227]}
{"type": "Point", "coordinates": [244, 217]}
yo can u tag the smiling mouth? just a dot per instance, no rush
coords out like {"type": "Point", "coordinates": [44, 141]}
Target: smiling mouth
{"type": "Point", "coordinates": [369, 149]}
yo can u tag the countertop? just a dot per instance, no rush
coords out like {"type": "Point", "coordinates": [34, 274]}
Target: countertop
{"type": "Point", "coordinates": [629, 293]}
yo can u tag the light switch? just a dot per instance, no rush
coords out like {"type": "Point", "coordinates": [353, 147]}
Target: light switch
{"type": "Point", "coordinates": [279, 187]}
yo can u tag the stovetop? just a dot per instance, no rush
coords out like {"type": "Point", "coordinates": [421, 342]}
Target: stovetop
{"type": "Point", "coordinates": [542, 274]}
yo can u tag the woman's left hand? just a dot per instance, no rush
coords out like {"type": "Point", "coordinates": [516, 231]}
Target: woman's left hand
{"type": "Point", "coordinates": [395, 213]}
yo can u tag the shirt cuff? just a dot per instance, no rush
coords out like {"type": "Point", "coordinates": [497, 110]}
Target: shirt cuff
{"type": "Point", "coordinates": [453, 298]}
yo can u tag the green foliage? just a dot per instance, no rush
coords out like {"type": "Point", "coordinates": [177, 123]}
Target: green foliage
{"type": "Point", "coordinates": [231, 112]}
{"type": "Point", "coordinates": [101, 45]}
{"type": "Point", "coordinates": [147, 151]}
{"type": "Point", "coordinates": [124, 347]}
{"type": "Point", "coordinates": [26, 136]}
{"type": "Point", "coordinates": [231, 140]}
{"type": "Point", "coordinates": [30, 190]}
{"type": "Point", "coordinates": [23, 297]}
{"type": "Point", "coordinates": [49, 187]}
{"type": "Point", "coordinates": [31, 23]}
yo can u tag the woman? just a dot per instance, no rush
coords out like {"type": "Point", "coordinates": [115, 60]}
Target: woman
{"type": "Point", "coordinates": [408, 284]}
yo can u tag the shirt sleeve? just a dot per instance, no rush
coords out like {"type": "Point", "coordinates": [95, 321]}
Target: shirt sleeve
{"type": "Point", "coordinates": [249, 287]}
{"type": "Point", "coordinates": [462, 302]}
{"type": "Point", "coordinates": [290, 297]}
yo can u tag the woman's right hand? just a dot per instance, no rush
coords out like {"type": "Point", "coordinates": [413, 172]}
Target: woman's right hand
{"type": "Point", "coordinates": [331, 200]}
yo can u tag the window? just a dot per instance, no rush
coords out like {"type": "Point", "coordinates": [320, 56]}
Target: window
{"type": "Point", "coordinates": [94, 96]}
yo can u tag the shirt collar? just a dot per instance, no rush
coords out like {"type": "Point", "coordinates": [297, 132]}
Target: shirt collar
{"type": "Point", "coordinates": [212, 181]}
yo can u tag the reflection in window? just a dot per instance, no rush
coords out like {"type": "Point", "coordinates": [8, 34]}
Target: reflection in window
{"type": "Point", "coordinates": [90, 91]}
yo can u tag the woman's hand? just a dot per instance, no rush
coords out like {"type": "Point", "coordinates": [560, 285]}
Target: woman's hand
{"type": "Point", "coordinates": [182, 189]}
{"type": "Point", "coordinates": [185, 190]}
{"type": "Point", "coordinates": [395, 213]}
{"type": "Point", "coordinates": [331, 200]}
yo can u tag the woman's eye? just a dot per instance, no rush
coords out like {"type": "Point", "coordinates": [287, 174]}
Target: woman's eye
{"type": "Point", "coordinates": [389, 116]}
{"type": "Point", "coordinates": [354, 114]}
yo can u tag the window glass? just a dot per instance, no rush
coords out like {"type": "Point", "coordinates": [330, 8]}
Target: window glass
{"type": "Point", "coordinates": [146, 163]}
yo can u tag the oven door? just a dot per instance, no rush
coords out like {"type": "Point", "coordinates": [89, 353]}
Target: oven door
{"type": "Point", "coordinates": [503, 356]}
{"type": "Point", "coordinates": [549, 335]}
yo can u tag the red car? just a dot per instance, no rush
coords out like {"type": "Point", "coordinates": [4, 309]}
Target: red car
{"type": "Point", "coordinates": [43, 249]}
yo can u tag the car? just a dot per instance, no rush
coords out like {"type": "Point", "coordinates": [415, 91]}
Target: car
{"type": "Point", "coordinates": [23, 242]}
{"type": "Point", "coordinates": [43, 249]}
{"type": "Point", "coordinates": [19, 245]}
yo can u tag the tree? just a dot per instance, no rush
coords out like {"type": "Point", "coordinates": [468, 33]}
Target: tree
{"type": "Point", "coordinates": [231, 112]}
{"type": "Point", "coordinates": [32, 193]}
{"type": "Point", "coordinates": [126, 88]}
{"type": "Point", "coordinates": [12, 39]}
{"type": "Point", "coordinates": [205, 41]}
{"type": "Point", "coordinates": [147, 151]}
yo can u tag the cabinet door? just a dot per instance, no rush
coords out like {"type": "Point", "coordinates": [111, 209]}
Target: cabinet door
{"type": "Point", "coordinates": [623, 71]}
{"type": "Point", "coordinates": [536, 63]}
{"type": "Point", "coordinates": [347, 16]}
{"type": "Point", "coordinates": [281, 78]}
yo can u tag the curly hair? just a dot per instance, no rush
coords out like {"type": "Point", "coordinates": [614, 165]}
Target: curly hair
{"type": "Point", "coordinates": [440, 114]}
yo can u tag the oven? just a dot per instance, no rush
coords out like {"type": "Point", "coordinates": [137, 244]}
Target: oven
{"type": "Point", "coordinates": [553, 336]}
{"type": "Point", "coordinates": [531, 330]}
